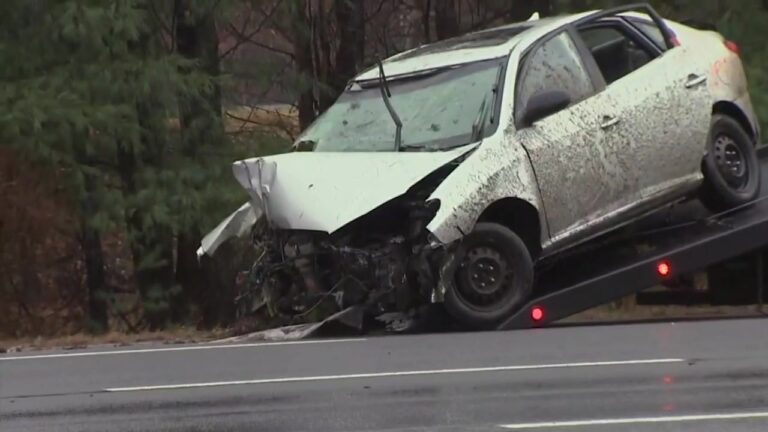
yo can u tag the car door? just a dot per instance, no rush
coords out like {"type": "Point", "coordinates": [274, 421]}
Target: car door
{"type": "Point", "coordinates": [659, 110]}
{"type": "Point", "coordinates": [577, 184]}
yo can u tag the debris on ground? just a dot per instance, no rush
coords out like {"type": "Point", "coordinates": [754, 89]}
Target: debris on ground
{"type": "Point", "coordinates": [346, 322]}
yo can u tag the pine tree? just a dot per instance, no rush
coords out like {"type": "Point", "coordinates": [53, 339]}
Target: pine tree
{"type": "Point", "coordinates": [88, 87]}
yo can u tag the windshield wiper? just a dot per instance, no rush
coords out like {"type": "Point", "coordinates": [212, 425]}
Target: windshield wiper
{"type": "Point", "coordinates": [478, 127]}
{"type": "Point", "coordinates": [386, 95]}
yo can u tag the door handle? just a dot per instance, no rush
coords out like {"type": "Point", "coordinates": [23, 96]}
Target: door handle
{"type": "Point", "coordinates": [609, 121]}
{"type": "Point", "coordinates": [695, 80]}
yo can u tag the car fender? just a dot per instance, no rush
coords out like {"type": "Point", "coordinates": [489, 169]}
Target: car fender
{"type": "Point", "coordinates": [496, 170]}
{"type": "Point", "coordinates": [728, 84]}
{"type": "Point", "coordinates": [726, 78]}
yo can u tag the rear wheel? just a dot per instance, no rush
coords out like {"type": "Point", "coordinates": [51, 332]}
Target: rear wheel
{"type": "Point", "coordinates": [492, 276]}
{"type": "Point", "coordinates": [731, 168]}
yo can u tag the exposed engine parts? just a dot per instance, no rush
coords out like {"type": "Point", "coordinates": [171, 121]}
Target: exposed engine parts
{"type": "Point", "coordinates": [382, 261]}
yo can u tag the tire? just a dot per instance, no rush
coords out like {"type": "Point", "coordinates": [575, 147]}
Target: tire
{"type": "Point", "coordinates": [491, 277]}
{"type": "Point", "coordinates": [731, 168]}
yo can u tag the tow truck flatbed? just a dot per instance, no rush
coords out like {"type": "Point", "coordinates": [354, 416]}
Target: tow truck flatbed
{"type": "Point", "coordinates": [616, 268]}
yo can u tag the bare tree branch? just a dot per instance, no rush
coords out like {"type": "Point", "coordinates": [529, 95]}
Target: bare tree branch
{"type": "Point", "coordinates": [378, 10]}
{"type": "Point", "coordinates": [249, 39]}
{"type": "Point", "coordinates": [240, 36]}
{"type": "Point", "coordinates": [245, 38]}
{"type": "Point", "coordinates": [283, 123]}
{"type": "Point", "coordinates": [285, 33]}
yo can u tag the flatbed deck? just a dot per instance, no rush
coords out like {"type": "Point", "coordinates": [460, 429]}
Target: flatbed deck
{"type": "Point", "coordinates": [684, 241]}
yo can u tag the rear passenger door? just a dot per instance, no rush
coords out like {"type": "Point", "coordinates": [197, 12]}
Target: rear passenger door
{"type": "Point", "coordinates": [661, 99]}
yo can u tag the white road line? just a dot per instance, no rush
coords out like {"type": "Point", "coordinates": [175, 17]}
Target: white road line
{"type": "Point", "coordinates": [391, 374]}
{"type": "Point", "coordinates": [673, 419]}
{"type": "Point", "coordinates": [184, 348]}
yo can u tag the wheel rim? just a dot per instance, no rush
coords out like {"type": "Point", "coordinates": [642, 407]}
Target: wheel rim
{"type": "Point", "coordinates": [484, 278]}
{"type": "Point", "coordinates": [731, 162]}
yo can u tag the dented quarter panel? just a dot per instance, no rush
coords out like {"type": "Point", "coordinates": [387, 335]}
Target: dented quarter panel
{"type": "Point", "coordinates": [320, 191]}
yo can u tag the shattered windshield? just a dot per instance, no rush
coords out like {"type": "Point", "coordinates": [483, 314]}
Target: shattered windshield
{"type": "Point", "coordinates": [439, 110]}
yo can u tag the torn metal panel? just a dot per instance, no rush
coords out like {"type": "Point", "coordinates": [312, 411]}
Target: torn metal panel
{"type": "Point", "coordinates": [346, 321]}
{"type": "Point", "coordinates": [238, 224]}
{"type": "Point", "coordinates": [326, 191]}
{"type": "Point", "coordinates": [257, 178]}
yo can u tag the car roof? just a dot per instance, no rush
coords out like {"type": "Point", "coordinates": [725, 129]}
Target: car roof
{"type": "Point", "coordinates": [477, 46]}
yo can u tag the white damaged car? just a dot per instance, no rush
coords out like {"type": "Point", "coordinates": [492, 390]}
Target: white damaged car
{"type": "Point", "coordinates": [444, 173]}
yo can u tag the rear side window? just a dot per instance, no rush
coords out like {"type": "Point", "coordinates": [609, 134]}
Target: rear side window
{"type": "Point", "coordinates": [554, 65]}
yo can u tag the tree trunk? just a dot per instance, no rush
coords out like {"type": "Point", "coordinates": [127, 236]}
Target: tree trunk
{"type": "Point", "coordinates": [93, 256]}
{"type": "Point", "coordinates": [201, 124]}
{"type": "Point", "coordinates": [197, 39]}
{"type": "Point", "coordinates": [350, 21]}
{"type": "Point", "coordinates": [302, 50]}
{"type": "Point", "coordinates": [446, 19]}
{"type": "Point", "coordinates": [426, 11]}
{"type": "Point", "coordinates": [321, 49]}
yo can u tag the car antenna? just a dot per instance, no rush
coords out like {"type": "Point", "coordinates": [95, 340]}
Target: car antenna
{"type": "Point", "coordinates": [386, 95]}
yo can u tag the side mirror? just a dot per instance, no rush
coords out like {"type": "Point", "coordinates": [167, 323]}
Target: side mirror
{"type": "Point", "coordinates": [543, 104]}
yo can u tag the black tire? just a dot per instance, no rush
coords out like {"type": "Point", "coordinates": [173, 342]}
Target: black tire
{"type": "Point", "coordinates": [482, 302]}
{"type": "Point", "coordinates": [731, 168]}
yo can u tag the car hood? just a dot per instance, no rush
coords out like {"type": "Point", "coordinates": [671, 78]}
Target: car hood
{"type": "Point", "coordinates": [320, 191]}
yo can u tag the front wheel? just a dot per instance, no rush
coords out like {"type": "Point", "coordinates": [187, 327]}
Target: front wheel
{"type": "Point", "coordinates": [731, 168]}
{"type": "Point", "coordinates": [491, 277]}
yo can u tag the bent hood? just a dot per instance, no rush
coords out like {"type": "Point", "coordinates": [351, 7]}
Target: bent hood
{"type": "Point", "coordinates": [325, 191]}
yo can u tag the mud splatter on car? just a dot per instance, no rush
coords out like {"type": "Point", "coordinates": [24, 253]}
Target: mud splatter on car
{"type": "Point", "coordinates": [444, 173]}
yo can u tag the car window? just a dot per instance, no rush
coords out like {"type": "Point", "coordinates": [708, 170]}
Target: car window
{"type": "Point", "coordinates": [616, 54]}
{"type": "Point", "coordinates": [554, 65]}
{"type": "Point", "coordinates": [650, 30]}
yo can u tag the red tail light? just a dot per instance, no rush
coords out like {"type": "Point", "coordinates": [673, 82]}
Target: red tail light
{"type": "Point", "coordinates": [663, 269]}
{"type": "Point", "coordinates": [675, 41]}
{"type": "Point", "coordinates": [733, 47]}
{"type": "Point", "coordinates": [537, 313]}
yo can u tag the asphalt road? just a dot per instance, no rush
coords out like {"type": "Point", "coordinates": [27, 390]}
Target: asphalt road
{"type": "Point", "coordinates": [693, 376]}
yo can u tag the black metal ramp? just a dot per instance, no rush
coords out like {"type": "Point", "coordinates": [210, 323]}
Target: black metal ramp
{"type": "Point", "coordinates": [616, 268]}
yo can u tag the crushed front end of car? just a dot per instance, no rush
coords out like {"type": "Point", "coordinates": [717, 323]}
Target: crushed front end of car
{"type": "Point", "coordinates": [325, 244]}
